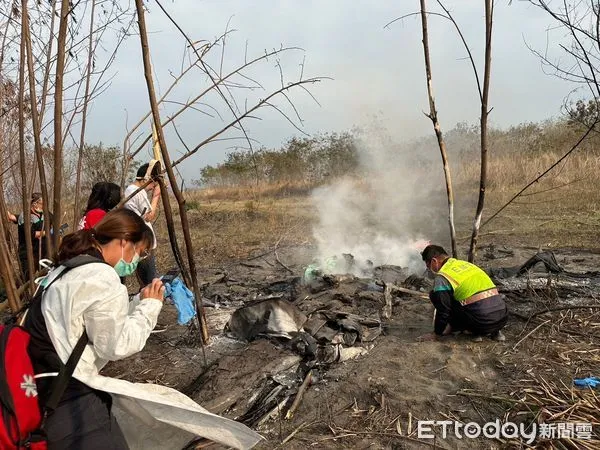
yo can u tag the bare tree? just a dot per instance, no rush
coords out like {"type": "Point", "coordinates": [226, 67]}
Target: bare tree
{"type": "Point", "coordinates": [433, 115]}
{"type": "Point", "coordinates": [579, 63]}
{"type": "Point", "coordinates": [489, 15]}
{"type": "Point", "coordinates": [35, 117]}
{"type": "Point", "coordinates": [88, 78]}
{"type": "Point", "coordinates": [483, 97]}
{"type": "Point", "coordinates": [58, 117]}
{"type": "Point", "coordinates": [218, 80]}
{"type": "Point", "coordinates": [25, 201]}
{"type": "Point", "coordinates": [167, 162]}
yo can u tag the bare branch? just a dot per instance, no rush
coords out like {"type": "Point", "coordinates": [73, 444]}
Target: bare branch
{"type": "Point", "coordinates": [247, 114]}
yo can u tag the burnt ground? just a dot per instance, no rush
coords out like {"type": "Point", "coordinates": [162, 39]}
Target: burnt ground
{"type": "Point", "coordinates": [375, 400]}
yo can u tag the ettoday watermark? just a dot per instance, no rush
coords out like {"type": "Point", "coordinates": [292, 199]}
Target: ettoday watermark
{"type": "Point", "coordinates": [427, 429]}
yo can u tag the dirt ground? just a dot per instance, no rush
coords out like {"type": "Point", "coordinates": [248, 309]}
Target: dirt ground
{"type": "Point", "coordinates": [375, 400]}
{"type": "Point", "coordinates": [247, 250]}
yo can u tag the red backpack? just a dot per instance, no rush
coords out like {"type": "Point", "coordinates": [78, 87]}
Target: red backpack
{"type": "Point", "coordinates": [21, 413]}
{"type": "Point", "coordinates": [21, 425]}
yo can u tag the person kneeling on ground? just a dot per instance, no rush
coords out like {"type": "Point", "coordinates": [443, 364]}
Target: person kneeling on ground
{"type": "Point", "coordinates": [464, 297]}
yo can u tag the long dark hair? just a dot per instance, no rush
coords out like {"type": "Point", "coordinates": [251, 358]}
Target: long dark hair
{"type": "Point", "coordinates": [104, 196]}
{"type": "Point", "coordinates": [143, 171]}
{"type": "Point", "coordinates": [117, 224]}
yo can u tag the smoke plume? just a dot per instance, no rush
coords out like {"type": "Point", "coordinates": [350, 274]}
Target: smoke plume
{"type": "Point", "coordinates": [387, 212]}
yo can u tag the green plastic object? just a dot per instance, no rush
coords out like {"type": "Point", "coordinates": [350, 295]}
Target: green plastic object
{"type": "Point", "coordinates": [311, 273]}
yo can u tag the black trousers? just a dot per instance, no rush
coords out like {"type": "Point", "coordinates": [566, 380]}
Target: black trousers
{"type": "Point", "coordinates": [146, 270]}
{"type": "Point", "coordinates": [25, 267]}
{"type": "Point", "coordinates": [463, 319]}
{"type": "Point", "coordinates": [85, 423]}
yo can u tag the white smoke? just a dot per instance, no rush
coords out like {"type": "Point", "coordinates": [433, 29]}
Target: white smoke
{"type": "Point", "coordinates": [387, 214]}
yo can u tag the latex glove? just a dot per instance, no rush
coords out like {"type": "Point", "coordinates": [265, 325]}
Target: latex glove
{"type": "Point", "coordinates": [183, 299]}
{"type": "Point", "coordinates": [590, 382]}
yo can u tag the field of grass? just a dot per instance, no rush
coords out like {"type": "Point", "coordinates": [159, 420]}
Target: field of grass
{"type": "Point", "coordinates": [562, 210]}
{"type": "Point", "coordinates": [229, 230]}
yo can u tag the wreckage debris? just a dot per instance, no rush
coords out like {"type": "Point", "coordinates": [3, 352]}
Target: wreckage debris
{"type": "Point", "coordinates": [303, 327]}
{"type": "Point", "coordinates": [322, 319]}
{"type": "Point", "coordinates": [545, 259]}
{"type": "Point", "coordinates": [309, 337]}
{"type": "Point", "coordinates": [271, 317]}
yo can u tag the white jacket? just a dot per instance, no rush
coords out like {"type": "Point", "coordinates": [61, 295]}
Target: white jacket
{"type": "Point", "coordinates": [91, 297]}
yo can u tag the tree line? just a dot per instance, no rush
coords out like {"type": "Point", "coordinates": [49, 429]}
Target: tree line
{"type": "Point", "coordinates": [300, 159]}
{"type": "Point", "coordinates": [317, 159]}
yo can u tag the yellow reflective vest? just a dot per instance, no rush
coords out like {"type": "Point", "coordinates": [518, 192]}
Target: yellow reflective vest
{"type": "Point", "coordinates": [466, 279]}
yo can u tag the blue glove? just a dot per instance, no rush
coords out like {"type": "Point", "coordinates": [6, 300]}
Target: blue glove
{"type": "Point", "coordinates": [183, 299]}
{"type": "Point", "coordinates": [590, 382]}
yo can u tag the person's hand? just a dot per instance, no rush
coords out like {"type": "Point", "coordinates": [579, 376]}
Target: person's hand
{"type": "Point", "coordinates": [156, 290]}
{"type": "Point", "coordinates": [427, 337]}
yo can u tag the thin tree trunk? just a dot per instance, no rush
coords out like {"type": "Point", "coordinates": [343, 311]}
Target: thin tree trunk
{"type": "Point", "coordinates": [438, 130]}
{"type": "Point", "coordinates": [48, 64]}
{"type": "Point", "coordinates": [76, 211]}
{"type": "Point", "coordinates": [489, 13]}
{"type": "Point", "coordinates": [36, 120]}
{"type": "Point", "coordinates": [33, 176]}
{"type": "Point", "coordinates": [41, 116]}
{"type": "Point", "coordinates": [26, 202]}
{"type": "Point", "coordinates": [7, 268]}
{"type": "Point", "coordinates": [169, 169]}
{"type": "Point", "coordinates": [58, 118]}
{"type": "Point", "coordinates": [126, 146]}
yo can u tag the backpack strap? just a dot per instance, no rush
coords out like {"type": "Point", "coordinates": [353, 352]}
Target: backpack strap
{"type": "Point", "coordinates": [59, 384]}
{"type": "Point", "coordinates": [77, 261]}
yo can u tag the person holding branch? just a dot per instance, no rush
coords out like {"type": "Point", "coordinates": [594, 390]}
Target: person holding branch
{"type": "Point", "coordinates": [145, 204]}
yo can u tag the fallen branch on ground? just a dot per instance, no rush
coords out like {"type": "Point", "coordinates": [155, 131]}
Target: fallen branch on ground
{"type": "Point", "coordinates": [563, 308]}
{"type": "Point", "coordinates": [299, 395]}
{"type": "Point", "coordinates": [530, 333]}
{"type": "Point", "coordinates": [282, 264]}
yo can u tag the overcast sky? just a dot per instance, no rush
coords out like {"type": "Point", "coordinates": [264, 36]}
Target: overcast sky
{"type": "Point", "coordinates": [377, 73]}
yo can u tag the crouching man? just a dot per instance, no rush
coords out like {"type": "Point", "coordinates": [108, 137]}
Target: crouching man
{"type": "Point", "coordinates": [464, 297]}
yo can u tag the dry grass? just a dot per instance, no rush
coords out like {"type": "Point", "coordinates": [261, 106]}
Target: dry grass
{"type": "Point", "coordinates": [562, 210]}
{"type": "Point", "coordinates": [256, 191]}
{"type": "Point", "coordinates": [227, 230]}
{"type": "Point", "coordinates": [510, 171]}
{"type": "Point", "coordinates": [555, 349]}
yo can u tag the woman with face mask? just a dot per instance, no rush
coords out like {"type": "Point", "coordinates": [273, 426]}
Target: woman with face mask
{"type": "Point", "coordinates": [90, 298]}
